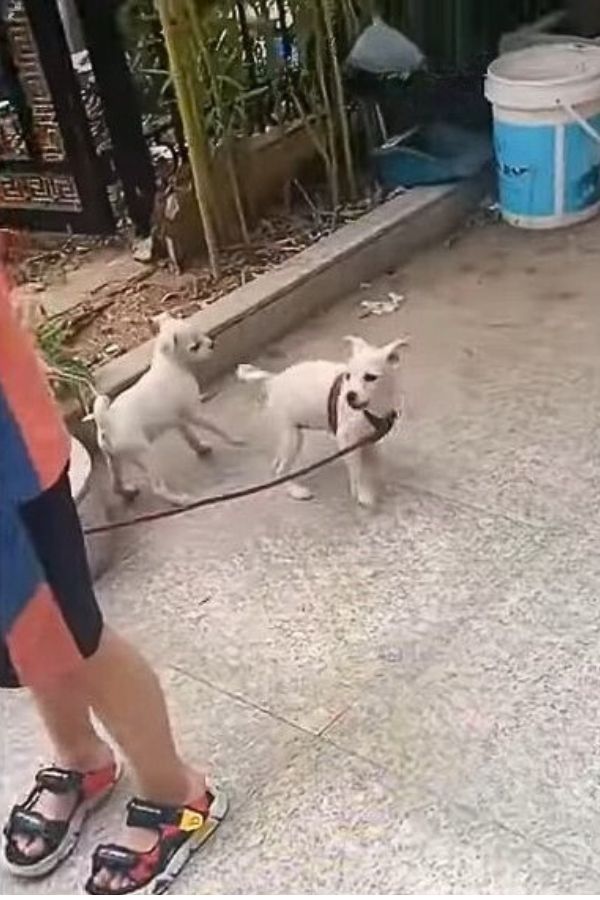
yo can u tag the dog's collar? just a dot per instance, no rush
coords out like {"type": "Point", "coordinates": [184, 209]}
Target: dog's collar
{"type": "Point", "coordinates": [381, 424]}
{"type": "Point", "coordinates": [332, 403]}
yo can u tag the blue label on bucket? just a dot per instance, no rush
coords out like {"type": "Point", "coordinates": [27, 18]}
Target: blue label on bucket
{"type": "Point", "coordinates": [582, 167]}
{"type": "Point", "coordinates": [525, 161]}
{"type": "Point", "coordinates": [547, 170]}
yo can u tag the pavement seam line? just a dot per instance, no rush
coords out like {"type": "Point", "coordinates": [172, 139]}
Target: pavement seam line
{"type": "Point", "coordinates": [472, 812]}
{"type": "Point", "coordinates": [474, 507]}
{"type": "Point", "coordinates": [245, 701]}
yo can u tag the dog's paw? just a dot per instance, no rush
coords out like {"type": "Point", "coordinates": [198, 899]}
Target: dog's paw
{"type": "Point", "coordinates": [299, 492]}
{"type": "Point", "coordinates": [366, 498]}
{"type": "Point", "coordinates": [178, 500]}
{"type": "Point", "coordinates": [129, 494]}
{"type": "Point", "coordinates": [365, 495]}
{"type": "Point", "coordinates": [203, 449]}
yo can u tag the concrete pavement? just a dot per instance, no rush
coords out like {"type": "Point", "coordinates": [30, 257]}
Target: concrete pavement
{"type": "Point", "coordinates": [406, 701]}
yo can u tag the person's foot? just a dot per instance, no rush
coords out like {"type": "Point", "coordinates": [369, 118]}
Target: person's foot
{"type": "Point", "coordinates": [57, 807]}
{"type": "Point", "coordinates": [44, 829]}
{"type": "Point", "coordinates": [142, 840]}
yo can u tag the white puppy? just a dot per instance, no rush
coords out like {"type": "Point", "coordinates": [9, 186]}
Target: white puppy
{"type": "Point", "coordinates": [166, 397]}
{"type": "Point", "coordinates": [351, 400]}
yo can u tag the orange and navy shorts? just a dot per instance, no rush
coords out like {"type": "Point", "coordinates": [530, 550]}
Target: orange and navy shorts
{"type": "Point", "coordinates": [49, 617]}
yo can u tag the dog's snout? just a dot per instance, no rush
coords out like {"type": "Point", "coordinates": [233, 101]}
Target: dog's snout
{"type": "Point", "coordinates": [352, 398]}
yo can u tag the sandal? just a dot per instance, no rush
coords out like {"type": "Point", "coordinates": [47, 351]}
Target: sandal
{"type": "Point", "coordinates": [181, 832]}
{"type": "Point", "coordinates": [60, 836]}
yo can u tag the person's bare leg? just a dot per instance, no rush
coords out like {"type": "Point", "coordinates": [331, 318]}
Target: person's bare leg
{"type": "Point", "coordinates": [65, 712]}
{"type": "Point", "coordinates": [126, 696]}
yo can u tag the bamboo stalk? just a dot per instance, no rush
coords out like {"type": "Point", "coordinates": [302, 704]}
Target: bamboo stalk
{"type": "Point", "coordinates": [176, 40]}
{"type": "Point", "coordinates": [340, 98]}
{"type": "Point", "coordinates": [235, 189]}
{"type": "Point", "coordinates": [351, 21]}
{"type": "Point", "coordinates": [230, 164]}
{"type": "Point", "coordinates": [312, 132]}
{"type": "Point", "coordinates": [197, 87]}
{"type": "Point", "coordinates": [334, 180]}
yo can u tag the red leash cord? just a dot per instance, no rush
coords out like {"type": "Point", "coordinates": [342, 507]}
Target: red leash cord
{"type": "Point", "coordinates": [381, 428]}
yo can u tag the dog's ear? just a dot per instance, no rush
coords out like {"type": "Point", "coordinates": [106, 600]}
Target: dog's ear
{"type": "Point", "coordinates": [392, 351]}
{"type": "Point", "coordinates": [167, 340]}
{"type": "Point", "coordinates": [162, 319]}
{"type": "Point", "coordinates": [160, 322]}
{"type": "Point", "coordinates": [357, 344]}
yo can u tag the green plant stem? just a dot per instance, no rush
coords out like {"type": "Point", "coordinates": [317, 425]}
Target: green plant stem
{"type": "Point", "coordinates": [235, 188]}
{"type": "Point", "coordinates": [333, 171]}
{"type": "Point", "coordinates": [177, 42]}
{"type": "Point", "coordinates": [312, 132]}
{"type": "Point", "coordinates": [340, 98]}
{"type": "Point", "coordinates": [225, 121]}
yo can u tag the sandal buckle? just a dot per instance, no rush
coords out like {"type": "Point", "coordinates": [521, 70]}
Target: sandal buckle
{"type": "Point", "coordinates": [29, 822]}
{"type": "Point", "coordinates": [58, 781]}
{"type": "Point", "coordinates": [115, 858]}
{"type": "Point", "coordinates": [191, 820]}
{"type": "Point", "coordinates": [144, 814]}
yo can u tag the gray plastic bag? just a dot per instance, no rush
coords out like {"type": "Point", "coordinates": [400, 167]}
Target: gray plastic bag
{"type": "Point", "coordinates": [382, 50]}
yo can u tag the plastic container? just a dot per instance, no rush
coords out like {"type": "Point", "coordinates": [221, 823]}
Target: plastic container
{"type": "Point", "coordinates": [546, 105]}
{"type": "Point", "coordinates": [436, 154]}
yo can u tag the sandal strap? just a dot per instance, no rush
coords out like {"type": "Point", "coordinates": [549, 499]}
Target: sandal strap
{"type": "Point", "coordinates": [34, 824]}
{"type": "Point", "coordinates": [25, 819]}
{"type": "Point", "coordinates": [58, 781]}
{"type": "Point", "coordinates": [155, 816]}
{"type": "Point", "coordinates": [174, 826]}
{"type": "Point", "coordinates": [115, 858]}
{"type": "Point", "coordinates": [137, 867]}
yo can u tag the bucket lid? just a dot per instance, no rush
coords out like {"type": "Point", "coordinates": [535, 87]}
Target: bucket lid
{"type": "Point", "coordinates": [545, 75]}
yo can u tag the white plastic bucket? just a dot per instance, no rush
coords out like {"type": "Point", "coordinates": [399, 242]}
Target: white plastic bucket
{"type": "Point", "coordinates": [546, 104]}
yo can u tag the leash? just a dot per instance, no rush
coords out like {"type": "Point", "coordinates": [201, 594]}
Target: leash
{"type": "Point", "coordinates": [381, 427]}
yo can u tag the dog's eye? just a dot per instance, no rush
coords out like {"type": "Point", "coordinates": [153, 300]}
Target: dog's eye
{"type": "Point", "coordinates": [347, 376]}
{"type": "Point", "coordinates": [370, 377]}
{"type": "Point", "coordinates": [195, 347]}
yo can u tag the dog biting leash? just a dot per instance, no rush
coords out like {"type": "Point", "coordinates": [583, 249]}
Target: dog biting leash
{"type": "Point", "coordinates": [381, 426]}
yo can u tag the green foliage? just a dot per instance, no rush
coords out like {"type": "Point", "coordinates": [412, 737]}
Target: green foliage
{"type": "Point", "coordinates": [241, 67]}
{"type": "Point", "coordinates": [141, 29]}
{"type": "Point", "coordinates": [68, 375]}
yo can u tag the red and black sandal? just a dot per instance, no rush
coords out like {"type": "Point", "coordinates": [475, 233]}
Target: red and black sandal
{"type": "Point", "coordinates": [60, 836]}
{"type": "Point", "coordinates": [181, 831]}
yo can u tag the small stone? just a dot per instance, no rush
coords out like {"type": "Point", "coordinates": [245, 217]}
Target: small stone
{"type": "Point", "coordinates": [142, 250]}
{"type": "Point", "coordinates": [396, 298]}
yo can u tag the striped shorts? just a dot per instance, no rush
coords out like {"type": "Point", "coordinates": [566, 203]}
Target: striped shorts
{"type": "Point", "coordinates": [49, 617]}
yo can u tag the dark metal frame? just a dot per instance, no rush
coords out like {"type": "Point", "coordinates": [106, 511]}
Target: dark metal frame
{"type": "Point", "coordinates": [79, 161]}
{"type": "Point", "coordinates": [130, 152]}
{"type": "Point", "coordinates": [62, 166]}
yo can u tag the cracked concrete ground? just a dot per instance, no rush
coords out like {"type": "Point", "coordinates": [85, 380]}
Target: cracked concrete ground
{"type": "Point", "coordinates": [407, 701]}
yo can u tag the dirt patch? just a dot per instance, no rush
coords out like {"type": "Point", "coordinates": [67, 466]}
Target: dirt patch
{"type": "Point", "coordinates": [116, 315]}
{"type": "Point", "coordinates": [38, 261]}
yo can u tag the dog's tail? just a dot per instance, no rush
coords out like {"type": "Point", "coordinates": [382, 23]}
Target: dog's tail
{"type": "Point", "coordinates": [99, 410]}
{"type": "Point", "coordinates": [98, 416]}
{"type": "Point", "coordinates": [250, 373]}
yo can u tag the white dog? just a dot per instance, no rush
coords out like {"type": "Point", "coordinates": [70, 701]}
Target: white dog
{"type": "Point", "coordinates": [166, 397]}
{"type": "Point", "coordinates": [351, 400]}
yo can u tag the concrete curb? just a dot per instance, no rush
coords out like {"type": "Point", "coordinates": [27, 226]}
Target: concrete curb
{"type": "Point", "coordinates": [252, 316]}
